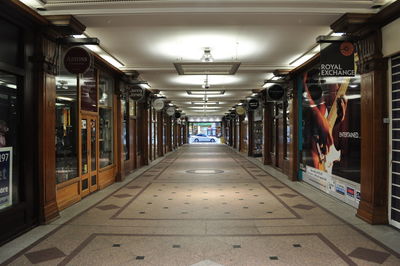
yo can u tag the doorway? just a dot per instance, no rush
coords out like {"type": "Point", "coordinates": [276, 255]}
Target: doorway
{"type": "Point", "coordinates": [89, 154]}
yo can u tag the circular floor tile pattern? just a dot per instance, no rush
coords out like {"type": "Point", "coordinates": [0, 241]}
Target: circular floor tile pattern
{"type": "Point", "coordinates": [204, 171]}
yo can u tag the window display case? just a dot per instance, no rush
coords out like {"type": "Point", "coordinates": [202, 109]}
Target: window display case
{"type": "Point", "coordinates": [106, 91]}
{"type": "Point", "coordinates": [66, 127]}
{"type": "Point", "coordinates": [125, 128]}
{"type": "Point", "coordinates": [258, 138]}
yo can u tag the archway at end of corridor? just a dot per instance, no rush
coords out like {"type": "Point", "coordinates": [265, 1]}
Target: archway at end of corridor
{"type": "Point", "coordinates": [205, 132]}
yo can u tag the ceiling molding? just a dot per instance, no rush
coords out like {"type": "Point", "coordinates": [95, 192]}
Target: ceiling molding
{"type": "Point", "coordinates": [222, 10]}
{"type": "Point", "coordinates": [106, 7]}
{"type": "Point", "coordinates": [67, 24]}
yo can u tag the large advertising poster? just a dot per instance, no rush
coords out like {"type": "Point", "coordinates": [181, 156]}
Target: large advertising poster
{"type": "Point", "coordinates": [331, 133]}
{"type": "Point", "coordinates": [5, 177]}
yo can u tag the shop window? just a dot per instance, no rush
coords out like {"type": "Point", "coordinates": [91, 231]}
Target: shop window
{"type": "Point", "coordinates": [9, 45]}
{"type": "Point", "coordinates": [106, 92]}
{"type": "Point", "coordinates": [89, 91]}
{"type": "Point", "coordinates": [132, 108]}
{"type": "Point", "coordinates": [125, 128]}
{"type": "Point", "coordinates": [258, 132]}
{"type": "Point", "coordinates": [155, 140]}
{"type": "Point", "coordinates": [274, 125]}
{"type": "Point", "coordinates": [66, 127]}
{"type": "Point", "coordinates": [288, 128]}
{"type": "Point", "coordinates": [9, 145]}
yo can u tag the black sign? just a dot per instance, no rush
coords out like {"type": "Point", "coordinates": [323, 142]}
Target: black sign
{"type": "Point", "coordinates": [253, 104]}
{"type": "Point", "coordinates": [136, 93]}
{"type": "Point", "coordinates": [227, 117]}
{"type": "Point", "coordinates": [232, 115]}
{"type": "Point", "coordinates": [275, 93]}
{"type": "Point", "coordinates": [177, 115]}
{"type": "Point", "coordinates": [77, 60]}
{"type": "Point", "coordinates": [337, 59]}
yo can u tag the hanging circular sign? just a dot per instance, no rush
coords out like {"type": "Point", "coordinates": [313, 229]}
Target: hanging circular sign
{"type": "Point", "coordinates": [253, 104]}
{"type": "Point", "coordinates": [177, 115]}
{"type": "Point", "coordinates": [158, 104]}
{"type": "Point", "coordinates": [276, 92]}
{"type": "Point", "coordinates": [136, 93]}
{"type": "Point", "coordinates": [77, 60]}
{"type": "Point", "coordinates": [346, 48]}
{"type": "Point", "coordinates": [170, 111]}
{"type": "Point", "coordinates": [240, 110]}
{"type": "Point", "coordinates": [232, 115]}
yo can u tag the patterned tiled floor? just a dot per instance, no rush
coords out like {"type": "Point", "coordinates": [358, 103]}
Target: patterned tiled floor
{"type": "Point", "coordinates": [206, 205]}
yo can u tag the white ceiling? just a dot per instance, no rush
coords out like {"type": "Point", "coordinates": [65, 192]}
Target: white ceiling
{"type": "Point", "coordinates": [264, 35]}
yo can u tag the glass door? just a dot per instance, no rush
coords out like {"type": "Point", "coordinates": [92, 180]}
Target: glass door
{"type": "Point", "coordinates": [89, 154]}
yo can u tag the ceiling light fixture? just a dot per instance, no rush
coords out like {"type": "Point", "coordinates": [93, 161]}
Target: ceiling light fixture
{"type": "Point", "coordinates": [207, 57]}
{"type": "Point", "coordinates": [206, 111]}
{"type": "Point", "coordinates": [201, 103]}
{"type": "Point", "coordinates": [207, 66]}
{"type": "Point", "coordinates": [206, 85]}
{"type": "Point", "coordinates": [204, 107]}
{"type": "Point", "coordinates": [211, 92]}
{"type": "Point", "coordinates": [100, 51]}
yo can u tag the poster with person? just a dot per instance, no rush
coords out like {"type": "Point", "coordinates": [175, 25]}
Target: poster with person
{"type": "Point", "coordinates": [331, 128]}
{"type": "Point", "coordinates": [5, 177]}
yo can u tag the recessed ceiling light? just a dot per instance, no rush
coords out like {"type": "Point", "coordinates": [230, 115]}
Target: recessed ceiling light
{"type": "Point", "coordinates": [208, 103]}
{"type": "Point", "coordinates": [198, 80]}
{"type": "Point", "coordinates": [204, 107]}
{"type": "Point", "coordinates": [338, 34]}
{"type": "Point", "coordinates": [206, 111]}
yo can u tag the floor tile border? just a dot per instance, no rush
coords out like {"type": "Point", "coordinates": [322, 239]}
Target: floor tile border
{"type": "Point", "coordinates": [91, 237]}
{"type": "Point", "coordinates": [369, 237]}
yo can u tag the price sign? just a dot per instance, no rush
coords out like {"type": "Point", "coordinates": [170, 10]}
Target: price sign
{"type": "Point", "coordinates": [5, 177]}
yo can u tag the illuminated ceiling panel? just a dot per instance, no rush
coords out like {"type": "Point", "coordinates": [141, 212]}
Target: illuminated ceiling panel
{"type": "Point", "coordinates": [207, 68]}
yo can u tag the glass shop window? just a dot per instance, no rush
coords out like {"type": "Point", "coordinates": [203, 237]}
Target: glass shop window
{"type": "Point", "coordinates": [9, 145]}
{"type": "Point", "coordinates": [106, 92]}
{"type": "Point", "coordinates": [274, 125]}
{"type": "Point", "coordinates": [125, 128]}
{"type": "Point", "coordinates": [89, 91]}
{"type": "Point", "coordinates": [288, 129]}
{"type": "Point", "coordinates": [66, 127]}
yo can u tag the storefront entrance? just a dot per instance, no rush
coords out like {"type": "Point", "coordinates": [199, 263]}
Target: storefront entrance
{"type": "Point", "coordinates": [89, 154]}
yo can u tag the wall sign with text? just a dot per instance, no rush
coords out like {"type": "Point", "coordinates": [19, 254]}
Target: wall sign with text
{"type": "Point", "coordinates": [253, 104]}
{"type": "Point", "coordinates": [337, 59]}
{"type": "Point", "coordinates": [136, 93]}
{"type": "Point", "coordinates": [77, 60]}
{"type": "Point", "coordinates": [275, 93]}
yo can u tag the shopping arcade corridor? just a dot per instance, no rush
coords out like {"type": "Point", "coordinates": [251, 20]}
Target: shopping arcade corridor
{"type": "Point", "coordinates": [205, 203]}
